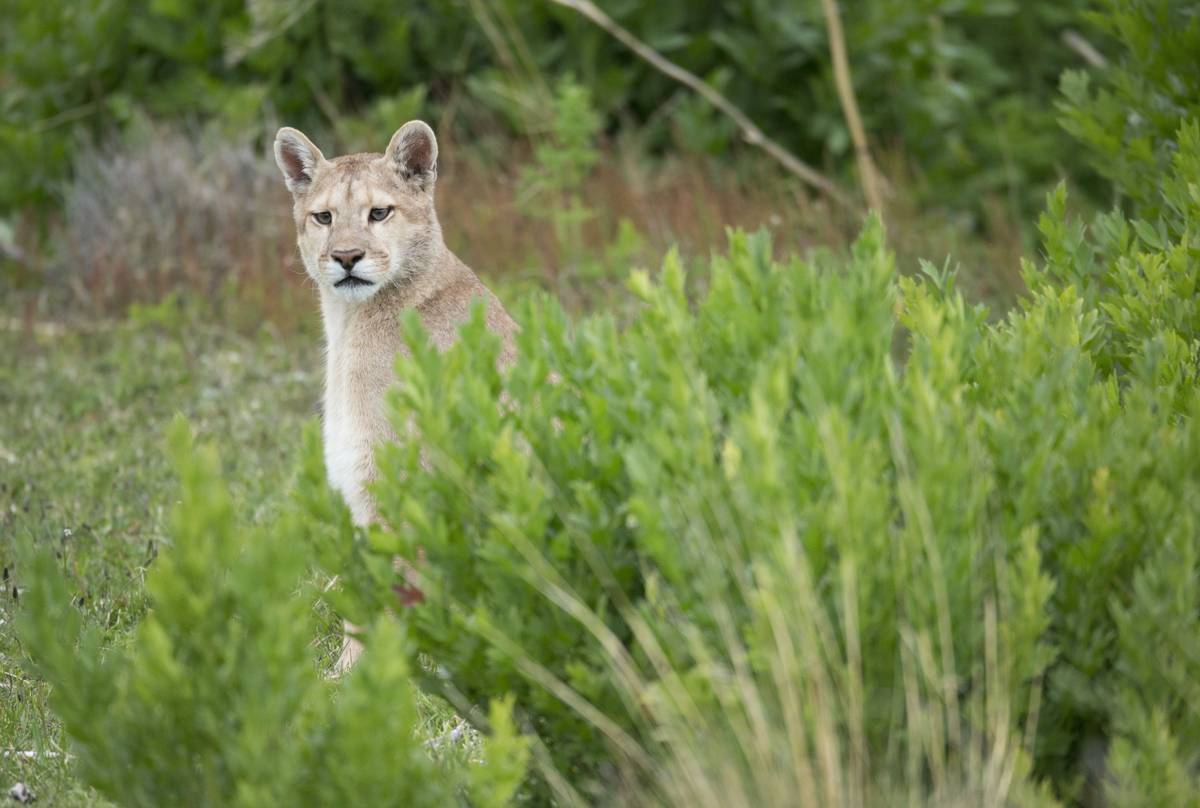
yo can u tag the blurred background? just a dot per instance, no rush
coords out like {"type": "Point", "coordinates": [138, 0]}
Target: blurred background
{"type": "Point", "coordinates": [136, 136]}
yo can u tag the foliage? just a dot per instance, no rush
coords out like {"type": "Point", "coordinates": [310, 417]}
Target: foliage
{"type": "Point", "coordinates": [82, 473]}
{"type": "Point", "coordinates": [1129, 122]}
{"type": "Point", "coordinates": [550, 187]}
{"type": "Point", "coordinates": [962, 87]}
{"type": "Point", "coordinates": [607, 535]}
{"type": "Point", "coordinates": [1127, 676]}
{"type": "Point", "coordinates": [665, 473]}
{"type": "Point", "coordinates": [550, 190]}
{"type": "Point", "coordinates": [1129, 560]}
{"type": "Point", "coordinates": [217, 698]}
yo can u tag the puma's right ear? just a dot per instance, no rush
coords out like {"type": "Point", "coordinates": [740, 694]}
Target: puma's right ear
{"type": "Point", "coordinates": [297, 158]}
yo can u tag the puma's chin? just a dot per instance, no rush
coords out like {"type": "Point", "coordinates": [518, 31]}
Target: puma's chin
{"type": "Point", "coordinates": [355, 289]}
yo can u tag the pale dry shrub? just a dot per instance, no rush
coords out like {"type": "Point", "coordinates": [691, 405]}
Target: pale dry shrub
{"type": "Point", "coordinates": [172, 210]}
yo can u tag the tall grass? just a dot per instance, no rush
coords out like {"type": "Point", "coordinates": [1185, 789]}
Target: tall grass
{"type": "Point", "coordinates": [790, 724]}
{"type": "Point", "coordinates": [777, 712]}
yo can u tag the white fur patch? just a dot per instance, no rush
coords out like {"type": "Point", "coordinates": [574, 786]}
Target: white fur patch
{"type": "Point", "coordinates": [346, 451]}
{"type": "Point", "coordinates": [346, 437]}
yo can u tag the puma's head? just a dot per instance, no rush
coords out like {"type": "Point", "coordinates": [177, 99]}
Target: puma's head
{"type": "Point", "coordinates": [363, 220]}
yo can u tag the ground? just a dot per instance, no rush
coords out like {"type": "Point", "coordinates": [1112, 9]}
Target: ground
{"type": "Point", "coordinates": [83, 413]}
{"type": "Point", "coordinates": [82, 466]}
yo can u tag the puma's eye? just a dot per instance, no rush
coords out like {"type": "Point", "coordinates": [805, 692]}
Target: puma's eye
{"type": "Point", "coordinates": [323, 217]}
{"type": "Point", "coordinates": [379, 214]}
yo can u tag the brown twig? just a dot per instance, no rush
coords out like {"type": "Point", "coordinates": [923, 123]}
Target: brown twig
{"type": "Point", "coordinates": [868, 175]}
{"type": "Point", "coordinates": [750, 131]}
{"type": "Point", "coordinates": [259, 37]}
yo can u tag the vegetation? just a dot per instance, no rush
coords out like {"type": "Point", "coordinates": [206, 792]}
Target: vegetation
{"type": "Point", "coordinates": [216, 700]}
{"type": "Point", "coordinates": [963, 88]}
{"type": "Point", "coordinates": [83, 473]}
{"type": "Point", "coordinates": [784, 525]}
{"type": "Point", "coordinates": [629, 542]}
{"type": "Point", "coordinates": [1006, 519]}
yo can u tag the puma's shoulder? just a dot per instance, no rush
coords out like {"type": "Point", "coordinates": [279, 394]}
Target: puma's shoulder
{"type": "Point", "coordinates": [449, 306]}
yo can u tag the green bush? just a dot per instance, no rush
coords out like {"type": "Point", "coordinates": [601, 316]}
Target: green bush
{"type": "Point", "coordinates": [1130, 119]}
{"type": "Point", "coordinates": [218, 699]}
{"type": "Point", "coordinates": [609, 532]}
{"type": "Point", "coordinates": [550, 187]}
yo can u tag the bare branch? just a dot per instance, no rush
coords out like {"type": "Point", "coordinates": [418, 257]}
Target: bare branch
{"type": "Point", "coordinates": [868, 175]}
{"type": "Point", "coordinates": [261, 36]}
{"type": "Point", "coordinates": [750, 130]}
{"type": "Point", "coordinates": [1086, 50]}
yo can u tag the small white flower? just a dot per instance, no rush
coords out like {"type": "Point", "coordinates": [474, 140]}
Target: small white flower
{"type": "Point", "coordinates": [21, 793]}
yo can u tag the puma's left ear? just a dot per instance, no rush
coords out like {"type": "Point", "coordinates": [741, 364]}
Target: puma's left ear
{"type": "Point", "coordinates": [413, 151]}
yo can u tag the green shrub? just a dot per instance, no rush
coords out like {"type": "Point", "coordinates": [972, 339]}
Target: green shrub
{"type": "Point", "coordinates": [1130, 119]}
{"type": "Point", "coordinates": [609, 533]}
{"type": "Point", "coordinates": [550, 187]}
{"type": "Point", "coordinates": [218, 699]}
{"type": "Point", "coordinates": [1128, 674]}
{"type": "Point", "coordinates": [612, 534]}
{"type": "Point", "coordinates": [550, 193]}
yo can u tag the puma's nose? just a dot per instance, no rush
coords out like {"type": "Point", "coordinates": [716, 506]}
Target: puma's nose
{"type": "Point", "coordinates": [347, 258]}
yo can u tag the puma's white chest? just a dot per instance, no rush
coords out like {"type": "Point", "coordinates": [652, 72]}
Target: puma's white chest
{"type": "Point", "coordinates": [347, 451]}
{"type": "Point", "coordinates": [354, 423]}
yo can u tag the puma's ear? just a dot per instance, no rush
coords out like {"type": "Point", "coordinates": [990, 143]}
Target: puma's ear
{"type": "Point", "coordinates": [413, 152]}
{"type": "Point", "coordinates": [297, 158]}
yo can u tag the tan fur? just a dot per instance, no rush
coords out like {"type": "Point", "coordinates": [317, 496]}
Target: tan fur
{"type": "Point", "coordinates": [407, 265]}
